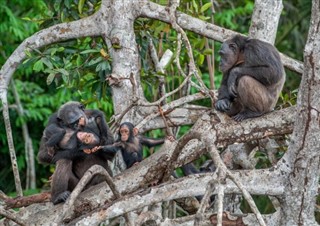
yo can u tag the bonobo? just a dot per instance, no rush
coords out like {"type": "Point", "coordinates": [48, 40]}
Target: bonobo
{"type": "Point", "coordinates": [62, 125]}
{"type": "Point", "coordinates": [253, 77]}
{"type": "Point", "coordinates": [131, 142]}
{"type": "Point", "coordinates": [71, 162]}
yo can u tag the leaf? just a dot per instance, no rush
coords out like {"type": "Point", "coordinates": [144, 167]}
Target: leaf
{"type": "Point", "coordinates": [89, 51]}
{"type": "Point", "coordinates": [204, 17]}
{"type": "Point", "coordinates": [80, 6]}
{"type": "Point", "coordinates": [205, 7]}
{"type": "Point", "coordinates": [65, 78]}
{"type": "Point", "coordinates": [38, 66]}
{"type": "Point", "coordinates": [47, 62]}
{"type": "Point", "coordinates": [50, 78]}
{"type": "Point", "coordinates": [27, 52]}
{"type": "Point", "coordinates": [78, 60]}
{"type": "Point", "coordinates": [63, 71]}
{"type": "Point", "coordinates": [195, 5]}
{"type": "Point", "coordinates": [207, 52]}
{"type": "Point", "coordinates": [200, 59]}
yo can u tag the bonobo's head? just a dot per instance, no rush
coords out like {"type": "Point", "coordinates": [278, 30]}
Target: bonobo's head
{"type": "Point", "coordinates": [72, 114]}
{"type": "Point", "coordinates": [88, 138]}
{"type": "Point", "coordinates": [231, 52]}
{"type": "Point", "coordinates": [127, 132]}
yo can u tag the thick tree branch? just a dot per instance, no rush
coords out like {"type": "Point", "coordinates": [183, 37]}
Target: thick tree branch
{"type": "Point", "coordinates": [154, 11]}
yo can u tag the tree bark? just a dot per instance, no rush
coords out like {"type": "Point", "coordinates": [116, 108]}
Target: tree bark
{"type": "Point", "coordinates": [303, 154]}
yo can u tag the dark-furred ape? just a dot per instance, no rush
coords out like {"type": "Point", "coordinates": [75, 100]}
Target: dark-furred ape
{"type": "Point", "coordinates": [253, 77]}
{"type": "Point", "coordinates": [131, 142]}
{"type": "Point", "coordinates": [68, 155]}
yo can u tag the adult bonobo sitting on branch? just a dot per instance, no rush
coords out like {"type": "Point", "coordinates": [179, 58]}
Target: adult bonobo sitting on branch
{"type": "Point", "coordinates": [253, 77]}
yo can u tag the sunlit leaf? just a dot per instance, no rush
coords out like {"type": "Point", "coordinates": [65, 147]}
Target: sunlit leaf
{"type": "Point", "coordinates": [50, 78]}
{"type": "Point", "coordinates": [205, 7]}
{"type": "Point", "coordinates": [80, 6]}
{"type": "Point", "coordinates": [38, 66]}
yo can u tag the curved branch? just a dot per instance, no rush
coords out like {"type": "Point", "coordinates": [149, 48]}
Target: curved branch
{"type": "Point", "coordinates": [88, 26]}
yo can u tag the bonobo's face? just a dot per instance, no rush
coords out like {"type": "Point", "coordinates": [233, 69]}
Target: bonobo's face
{"type": "Point", "coordinates": [229, 55]}
{"type": "Point", "coordinates": [82, 122]}
{"type": "Point", "coordinates": [87, 138]}
{"type": "Point", "coordinates": [124, 133]}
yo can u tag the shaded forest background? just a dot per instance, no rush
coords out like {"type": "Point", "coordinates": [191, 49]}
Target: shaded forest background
{"type": "Point", "coordinates": [76, 69]}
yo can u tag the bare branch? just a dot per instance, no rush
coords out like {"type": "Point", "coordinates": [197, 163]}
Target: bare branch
{"type": "Point", "coordinates": [12, 216]}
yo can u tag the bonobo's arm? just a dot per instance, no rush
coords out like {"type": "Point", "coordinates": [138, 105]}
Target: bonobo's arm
{"type": "Point", "coordinates": [54, 134]}
{"type": "Point", "coordinates": [68, 154]}
{"type": "Point", "coordinates": [224, 98]}
{"type": "Point", "coordinates": [106, 136]}
{"type": "Point", "coordinates": [150, 142]}
{"type": "Point", "coordinates": [189, 169]}
{"type": "Point", "coordinates": [110, 149]}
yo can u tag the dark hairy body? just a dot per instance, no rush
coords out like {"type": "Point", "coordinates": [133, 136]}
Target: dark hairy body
{"type": "Point", "coordinates": [253, 77]}
{"type": "Point", "coordinates": [71, 162]}
{"type": "Point", "coordinates": [131, 143]}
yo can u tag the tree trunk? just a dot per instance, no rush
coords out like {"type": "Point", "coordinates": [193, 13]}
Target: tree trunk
{"type": "Point", "coordinates": [303, 154]}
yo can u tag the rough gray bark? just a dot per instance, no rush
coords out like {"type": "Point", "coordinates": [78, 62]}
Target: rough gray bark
{"type": "Point", "coordinates": [265, 19]}
{"type": "Point", "coordinates": [303, 155]}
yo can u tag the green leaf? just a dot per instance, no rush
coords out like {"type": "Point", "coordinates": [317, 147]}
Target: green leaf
{"type": "Point", "coordinates": [207, 52]}
{"type": "Point", "coordinates": [50, 78]}
{"type": "Point", "coordinates": [65, 78]}
{"type": "Point", "coordinates": [204, 17]}
{"type": "Point", "coordinates": [205, 7]}
{"type": "Point", "coordinates": [90, 51]}
{"type": "Point", "coordinates": [38, 66]}
{"type": "Point", "coordinates": [195, 5]}
{"type": "Point", "coordinates": [47, 62]}
{"type": "Point", "coordinates": [78, 60]}
{"type": "Point", "coordinates": [60, 49]}
{"type": "Point", "coordinates": [63, 71]}
{"type": "Point", "coordinates": [80, 6]}
{"type": "Point", "coordinates": [200, 59]}
{"type": "Point", "coordinates": [27, 52]}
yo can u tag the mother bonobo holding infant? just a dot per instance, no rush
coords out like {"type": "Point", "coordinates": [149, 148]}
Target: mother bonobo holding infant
{"type": "Point", "coordinates": [253, 77]}
{"type": "Point", "coordinates": [71, 162]}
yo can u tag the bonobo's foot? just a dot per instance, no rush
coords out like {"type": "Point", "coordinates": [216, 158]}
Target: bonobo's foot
{"type": "Point", "coordinates": [223, 105]}
{"type": "Point", "coordinates": [62, 197]}
{"type": "Point", "coordinates": [246, 114]}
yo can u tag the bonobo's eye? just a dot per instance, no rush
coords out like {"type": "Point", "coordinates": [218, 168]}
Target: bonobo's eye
{"type": "Point", "coordinates": [74, 125]}
{"type": "Point", "coordinates": [233, 47]}
{"type": "Point", "coordinates": [82, 107]}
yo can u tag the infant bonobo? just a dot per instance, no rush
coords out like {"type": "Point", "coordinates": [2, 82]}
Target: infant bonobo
{"type": "Point", "coordinates": [131, 142]}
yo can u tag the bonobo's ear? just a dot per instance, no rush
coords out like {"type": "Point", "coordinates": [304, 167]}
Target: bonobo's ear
{"type": "Point", "coordinates": [135, 131]}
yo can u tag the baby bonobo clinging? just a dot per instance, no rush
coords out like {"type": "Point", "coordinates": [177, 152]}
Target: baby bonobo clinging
{"type": "Point", "coordinates": [253, 77]}
{"type": "Point", "coordinates": [131, 142]}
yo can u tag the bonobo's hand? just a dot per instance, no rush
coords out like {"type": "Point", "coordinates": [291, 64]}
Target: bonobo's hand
{"type": "Point", "coordinates": [223, 105]}
{"type": "Point", "coordinates": [51, 151]}
{"type": "Point", "coordinates": [119, 144]}
{"type": "Point", "coordinates": [232, 83]}
{"type": "Point", "coordinates": [87, 151]}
